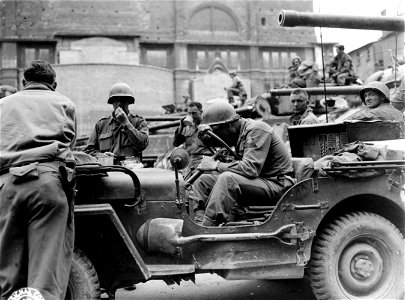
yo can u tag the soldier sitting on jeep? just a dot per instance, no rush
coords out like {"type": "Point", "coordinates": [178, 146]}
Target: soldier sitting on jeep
{"type": "Point", "coordinates": [262, 172]}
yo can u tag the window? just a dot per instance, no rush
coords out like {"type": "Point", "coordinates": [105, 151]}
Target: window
{"type": "Point", "coordinates": [213, 18]}
{"type": "Point", "coordinates": [284, 59]}
{"type": "Point", "coordinates": [28, 52]}
{"type": "Point", "coordinates": [279, 58]}
{"type": "Point", "coordinates": [156, 58]}
{"type": "Point", "coordinates": [202, 61]}
{"type": "Point", "coordinates": [275, 60]}
{"type": "Point", "coordinates": [157, 55]}
{"type": "Point", "coordinates": [201, 58]}
{"type": "Point", "coordinates": [266, 60]}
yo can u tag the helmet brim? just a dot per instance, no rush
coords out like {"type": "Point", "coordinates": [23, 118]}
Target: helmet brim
{"type": "Point", "coordinates": [363, 91]}
{"type": "Point", "coordinates": [130, 98]}
{"type": "Point", "coordinates": [234, 118]}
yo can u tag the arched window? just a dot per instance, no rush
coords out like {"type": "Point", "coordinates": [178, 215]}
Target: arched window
{"type": "Point", "coordinates": [213, 18]}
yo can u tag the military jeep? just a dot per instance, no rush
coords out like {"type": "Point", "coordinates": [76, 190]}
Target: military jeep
{"type": "Point", "coordinates": [345, 233]}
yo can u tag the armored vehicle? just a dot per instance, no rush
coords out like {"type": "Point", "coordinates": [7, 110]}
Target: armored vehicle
{"type": "Point", "coordinates": [279, 99]}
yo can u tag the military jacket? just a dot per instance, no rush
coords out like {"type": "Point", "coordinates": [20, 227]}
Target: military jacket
{"type": "Point", "coordinates": [384, 112]}
{"type": "Point", "coordinates": [111, 136]}
{"type": "Point", "coordinates": [307, 118]}
{"type": "Point", "coordinates": [263, 152]}
{"type": "Point", "coordinates": [37, 124]}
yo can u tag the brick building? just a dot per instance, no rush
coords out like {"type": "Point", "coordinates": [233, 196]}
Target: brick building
{"type": "Point", "coordinates": [164, 49]}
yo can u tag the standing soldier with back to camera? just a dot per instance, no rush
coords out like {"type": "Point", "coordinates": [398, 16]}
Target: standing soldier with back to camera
{"type": "Point", "coordinates": [36, 187]}
{"type": "Point", "coordinates": [121, 134]}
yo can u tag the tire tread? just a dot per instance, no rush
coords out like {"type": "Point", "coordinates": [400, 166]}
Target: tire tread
{"type": "Point", "coordinates": [319, 254]}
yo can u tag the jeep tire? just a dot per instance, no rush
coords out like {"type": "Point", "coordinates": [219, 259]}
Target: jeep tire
{"type": "Point", "coordinates": [83, 280]}
{"type": "Point", "coordinates": [359, 255]}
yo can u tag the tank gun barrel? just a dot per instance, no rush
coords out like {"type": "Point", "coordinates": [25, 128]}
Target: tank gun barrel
{"type": "Point", "coordinates": [292, 18]}
{"type": "Point", "coordinates": [334, 90]}
{"type": "Point", "coordinates": [175, 120]}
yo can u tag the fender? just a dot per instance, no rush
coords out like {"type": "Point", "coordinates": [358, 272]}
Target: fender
{"type": "Point", "coordinates": [314, 200]}
{"type": "Point", "coordinates": [98, 227]}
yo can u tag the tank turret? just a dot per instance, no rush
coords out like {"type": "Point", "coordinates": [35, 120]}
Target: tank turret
{"type": "Point", "coordinates": [292, 18]}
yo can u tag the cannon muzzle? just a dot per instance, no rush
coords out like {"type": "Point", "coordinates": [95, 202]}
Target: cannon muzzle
{"type": "Point", "coordinates": [292, 18]}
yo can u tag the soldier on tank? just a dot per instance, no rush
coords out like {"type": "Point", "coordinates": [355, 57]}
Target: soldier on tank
{"type": "Point", "coordinates": [341, 68]}
{"type": "Point", "coordinates": [236, 89]}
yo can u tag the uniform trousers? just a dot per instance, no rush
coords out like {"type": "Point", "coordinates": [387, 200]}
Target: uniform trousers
{"type": "Point", "coordinates": [36, 233]}
{"type": "Point", "coordinates": [215, 195]}
{"type": "Point", "coordinates": [234, 92]}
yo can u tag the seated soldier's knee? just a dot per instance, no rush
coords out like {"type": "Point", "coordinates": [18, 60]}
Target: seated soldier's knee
{"type": "Point", "coordinates": [227, 178]}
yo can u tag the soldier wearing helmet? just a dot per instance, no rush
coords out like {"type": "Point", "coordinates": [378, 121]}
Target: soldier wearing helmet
{"type": "Point", "coordinates": [236, 89]}
{"type": "Point", "coordinates": [376, 96]}
{"type": "Point", "coordinates": [257, 177]}
{"type": "Point", "coordinates": [121, 134]}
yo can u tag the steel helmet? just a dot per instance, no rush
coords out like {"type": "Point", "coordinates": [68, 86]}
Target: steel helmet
{"type": "Point", "coordinates": [219, 113]}
{"type": "Point", "coordinates": [121, 90]}
{"type": "Point", "coordinates": [376, 86]}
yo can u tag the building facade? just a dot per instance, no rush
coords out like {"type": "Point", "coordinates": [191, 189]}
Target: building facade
{"type": "Point", "coordinates": [164, 49]}
{"type": "Point", "coordinates": [379, 55]}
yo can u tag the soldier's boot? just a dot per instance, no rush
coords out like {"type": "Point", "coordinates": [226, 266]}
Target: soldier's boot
{"type": "Point", "coordinates": [199, 216]}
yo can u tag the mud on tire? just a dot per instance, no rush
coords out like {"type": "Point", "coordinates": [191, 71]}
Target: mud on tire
{"type": "Point", "coordinates": [360, 255]}
{"type": "Point", "coordinates": [83, 280]}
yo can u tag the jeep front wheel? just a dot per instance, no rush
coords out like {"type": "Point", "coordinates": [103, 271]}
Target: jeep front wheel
{"type": "Point", "coordinates": [83, 279]}
{"type": "Point", "coordinates": [359, 255]}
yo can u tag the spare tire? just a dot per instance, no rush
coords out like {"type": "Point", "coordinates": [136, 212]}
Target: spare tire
{"type": "Point", "coordinates": [83, 280]}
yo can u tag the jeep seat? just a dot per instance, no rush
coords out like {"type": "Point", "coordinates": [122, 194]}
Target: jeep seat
{"type": "Point", "coordinates": [303, 169]}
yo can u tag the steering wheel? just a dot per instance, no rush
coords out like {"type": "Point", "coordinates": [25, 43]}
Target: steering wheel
{"type": "Point", "coordinates": [198, 173]}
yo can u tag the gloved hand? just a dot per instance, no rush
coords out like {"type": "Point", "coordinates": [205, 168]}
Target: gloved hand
{"type": "Point", "coordinates": [105, 154]}
{"type": "Point", "coordinates": [204, 128]}
{"type": "Point", "coordinates": [121, 116]}
{"type": "Point", "coordinates": [208, 164]}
